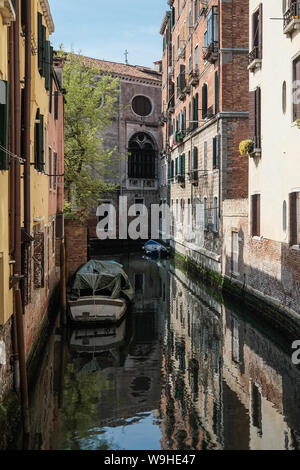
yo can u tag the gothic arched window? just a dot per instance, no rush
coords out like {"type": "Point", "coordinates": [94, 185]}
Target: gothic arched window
{"type": "Point", "coordinates": [141, 159]}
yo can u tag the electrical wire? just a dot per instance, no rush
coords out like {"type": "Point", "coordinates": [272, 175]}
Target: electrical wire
{"type": "Point", "coordinates": [12, 155]}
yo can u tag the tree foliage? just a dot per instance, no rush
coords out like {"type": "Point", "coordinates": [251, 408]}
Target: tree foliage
{"type": "Point", "coordinates": [91, 98]}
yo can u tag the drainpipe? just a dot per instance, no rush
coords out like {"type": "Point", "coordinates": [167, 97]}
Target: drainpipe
{"type": "Point", "coordinates": [12, 141]}
{"type": "Point", "coordinates": [27, 119]}
{"type": "Point", "coordinates": [17, 265]}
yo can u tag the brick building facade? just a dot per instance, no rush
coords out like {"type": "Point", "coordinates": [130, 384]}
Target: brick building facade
{"type": "Point", "coordinates": [205, 109]}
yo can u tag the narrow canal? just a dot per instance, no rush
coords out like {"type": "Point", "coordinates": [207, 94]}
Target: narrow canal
{"type": "Point", "coordinates": [184, 370]}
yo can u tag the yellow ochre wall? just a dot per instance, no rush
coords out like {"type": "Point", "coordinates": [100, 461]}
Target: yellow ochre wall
{"type": "Point", "coordinates": [6, 298]}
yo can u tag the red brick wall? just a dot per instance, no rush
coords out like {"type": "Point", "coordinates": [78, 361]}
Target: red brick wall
{"type": "Point", "coordinates": [76, 245]}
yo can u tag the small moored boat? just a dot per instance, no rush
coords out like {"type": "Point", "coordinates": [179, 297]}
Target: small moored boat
{"type": "Point", "coordinates": [155, 249]}
{"type": "Point", "coordinates": [100, 292]}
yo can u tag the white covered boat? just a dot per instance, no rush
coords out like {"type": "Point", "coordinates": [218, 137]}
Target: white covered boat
{"type": "Point", "coordinates": [100, 292]}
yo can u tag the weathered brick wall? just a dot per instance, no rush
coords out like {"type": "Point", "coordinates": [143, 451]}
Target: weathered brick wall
{"type": "Point", "coordinates": [76, 245]}
{"type": "Point", "coordinates": [6, 374]}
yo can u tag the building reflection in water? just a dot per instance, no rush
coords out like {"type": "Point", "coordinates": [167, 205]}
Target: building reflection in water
{"type": "Point", "coordinates": [184, 370]}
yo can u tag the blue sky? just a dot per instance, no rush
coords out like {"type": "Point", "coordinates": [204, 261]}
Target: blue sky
{"type": "Point", "coordinates": [103, 29]}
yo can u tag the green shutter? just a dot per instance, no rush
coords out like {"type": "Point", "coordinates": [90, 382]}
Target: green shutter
{"type": "Point", "coordinates": [4, 124]}
{"type": "Point", "coordinates": [183, 164]}
{"type": "Point", "coordinates": [176, 166]}
{"type": "Point", "coordinates": [204, 101]}
{"type": "Point", "coordinates": [47, 65]}
{"type": "Point", "coordinates": [41, 144]}
{"type": "Point", "coordinates": [44, 52]}
{"type": "Point", "coordinates": [40, 43]}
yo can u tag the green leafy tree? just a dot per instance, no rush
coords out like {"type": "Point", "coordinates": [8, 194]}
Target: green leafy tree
{"type": "Point", "coordinates": [91, 98]}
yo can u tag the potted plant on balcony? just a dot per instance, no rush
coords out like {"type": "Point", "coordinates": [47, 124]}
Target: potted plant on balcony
{"type": "Point", "coordinates": [246, 147]}
{"type": "Point", "coordinates": [298, 123]}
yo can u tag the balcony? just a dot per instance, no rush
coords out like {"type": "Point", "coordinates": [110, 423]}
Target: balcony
{"type": "Point", "coordinates": [291, 19]}
{"type": "Point", "coordinates": [181, 54]}
{"type": "Point", "coordinates": [7, 11]}
{"type": "Point", "coordinates": [211, 52]}
{"type": "Point", "coordinates": [180, 179]}
{"type": "Point", "coordinates": [187, 89]}
{"type": "Point", "coordinates": [255, 60]}
{"type": "Point", "coordinates": [182, 95]}
{"type": "Point", "coordinates": [194, 77]}
{"type": "Point", "coordinates": [193, 177]}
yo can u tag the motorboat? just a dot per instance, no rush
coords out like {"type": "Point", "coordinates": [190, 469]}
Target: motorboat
{"type": "Point", "coordinates": [154, 249]}
{"type": "Point", "coordinates": [100, 291]}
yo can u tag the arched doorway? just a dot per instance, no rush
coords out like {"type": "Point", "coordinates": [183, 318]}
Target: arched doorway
{"type": "Point", "coordinates": [142, 155]}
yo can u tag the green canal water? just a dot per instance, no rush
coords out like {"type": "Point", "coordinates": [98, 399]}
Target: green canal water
{"type": "Point", "coordinates": [184, 370]}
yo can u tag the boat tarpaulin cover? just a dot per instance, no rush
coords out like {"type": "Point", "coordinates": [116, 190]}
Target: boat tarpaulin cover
{"type": "Point", "coordinates": [103, 276]}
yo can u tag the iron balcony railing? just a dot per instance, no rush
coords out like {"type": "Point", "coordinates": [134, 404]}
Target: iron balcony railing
{"type": "Point", "coordinates": [210, 52]}
{"type": "Point", "coordinates": [292, 13]}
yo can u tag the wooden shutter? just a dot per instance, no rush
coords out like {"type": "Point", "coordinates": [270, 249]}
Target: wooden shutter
{"type": "Point", "coordinates": [40, 42]}
{"type": "Point", "coordinates": [216, 92]}
{"type": "Point", "coordinates": [260, 32]}
{"type": "Point", "coordinates": [56, 105]}
{"type": "Point", "coordinates": [41, 144]}
{"type": "Point", "coordinates": [4, 124]}
{"type": "Point", "coordinates": [215, 153]}
{"type": "Point", "coordinates": [195, 158]}
{"type": "Point", "coordinates": [293, 219]}
{"type": "Point", "coordinates": [44, 51]}
{"type": "Point", "coordinates": [258, 117]}
{"type": "Point", "coordinates": [176, 166]}
{"type": "Point", "coordinates": [204, 101]}
{"type": "Point", "coordinates": [54, 169]}
{"type": "Point", "coordinates": [296, 73]}
{"type": "Point", "coordinates": [252, 114]}
{"type": "Point", "coordinates": [50, 168]}
{"type": "Point", "coordinates": [182, 169]}
{"type": "Point", "coordinates": [47, 65]}
{"type": "Point", "coordinates": [256, 215]}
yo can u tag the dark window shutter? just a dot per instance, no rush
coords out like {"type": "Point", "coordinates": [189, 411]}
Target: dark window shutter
{"type": "Point", "coordinates": [216, 92]}
{"type": "Point", "coordinates": [44, 51]}
{"type": "Point", "coordinates": [176, 166]}
{"type": "Point", "coordinates": [260, 33]}
{"type": "Point", "coordinates": [41, 143]}
{"type": "Point", "coordinates": [204, 101]}
{"type": "Point", "coordinates": [56, 105]}
{"type": "Point", "coordinates": [183, 164]}
{"type": "Point", "coordinates": [252, 114]}
{"type": "Point", "coordinates": [196, 107]}
{"type": "Point", "coordinates": [293, 218]}
{"type": "Point", "coordinates": [214, 152]}
{"type": "Point", "coordinates": [256, 215]}
{"type": "Point", "coordinates": [296, 78]}
{"type": "Point", "coordinates": [258, 117]}
{"type": "Point", "coordinates": [54, 169]}
{"type": "Point", "coordinates": [50, 168]}
{"type": "Point", "coordinates": [4, 124]}
{"type": "Point", "coordinates": [195, 158]}
{"type": "Point", "coordinates": [60, 225]}
{"type": "Point", "coordinates": [40, 42]}
{"type": "Point", "coordinates": [47, 65]}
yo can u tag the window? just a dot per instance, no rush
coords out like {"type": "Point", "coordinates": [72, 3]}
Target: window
{"type": "Point", "coordinates": [284, 97]}
{"type": "Point", "coordinates": [205, 156]}
{"type": "Point", "coordinates": [205, 214]}
{"type": "Point", "coordinates": [296, 79]}
{"type": "Point", "coordinates": [182, 164]}
{"type": "Point", "coordinates": [235, 252]}
{"type": "Point", "coordinates": [255, 116]}
{"type": "Point", "coordinates": [53, 237]}
{"type": "Point", "coordinates": [256, 408]}
{"type": "Point", "coordinates": [142, 157]}
{"type": "Point", "coordinates": [50, 171]}
{"type": "Point", "coordinates": [257, 42]}
{"type": "Point", "coordinates": [195, 158]}
{"type": "Point", "coordinates": [196, 9]}
{"type": "Point", "coordinates": [204, 100]}
{"type": "Point", "coordinates": [212, 34]}
{"type": "Point", "coordinates": [54, 170]}
{"type": "Point", "coordinates": [284, 216]}
{"type": "Point", "coordinates": [255, 202]}
{"type": "Point", "coordinates": [190, 18]}
{"type": "Point", "coordinates": [216, 225]}
{"type": "Point", "coordinates": [39, 161]}
{"type": "Point", "coordinates": [295, 218]}
{"type": "Point", "coordinates": [39, 260]}
{"type": "Point", "coordinates": [172, 17]}
{"type": "Point", "coordinates": [178, 8]}
{"type": "Point", "coordinates": [4, 124]}
{"type": "Point", "coordinates": [56, 105]}
{"type": "Point", "coordinates": [216, 92]}
{"type": "Point", "coordinates": [196, 57]}
{"type": "Point", "coordinates": [190, 64]}
{"type": "Point", "coordinates": [215, 152]}
{"type": "Point", "coordinates": [142, 106]}
{"type": "Point", "coordinates": [195, 108]}
{"type": "Point", "coordinates": [235, 340]}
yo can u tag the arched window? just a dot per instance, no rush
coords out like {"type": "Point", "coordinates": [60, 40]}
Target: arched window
{"type": "Point", "coordinates": [141, 159]}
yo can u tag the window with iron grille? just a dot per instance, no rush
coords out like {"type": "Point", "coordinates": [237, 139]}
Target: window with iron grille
{"type": "Point", "coordinates": [296, 97]}
{"type": "Point", "coordinates": [142, 157]}
{"type": "Point", "coordinates": [255, 210]}
{"type": "Point", "coordinates": [295, 218]}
